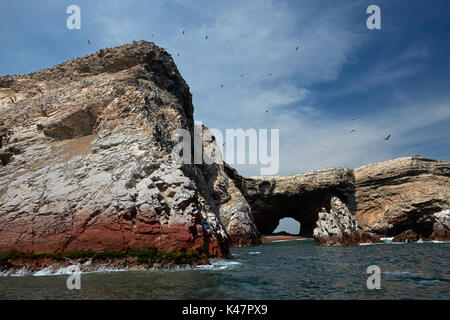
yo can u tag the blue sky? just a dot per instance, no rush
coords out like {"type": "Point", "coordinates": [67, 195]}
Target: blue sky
{"type": "Point", "coordinates": [392, 81]}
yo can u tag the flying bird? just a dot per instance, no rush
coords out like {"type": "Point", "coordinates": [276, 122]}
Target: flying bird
{"type": "Point", "coordinates": [183, 32]}
{"type": "Point", "coordinates": [387, 138]}
{"type": "Point", "coordinates": [221, 85]}
{"type": "Point", "coordinates": [267, 110]}
{"type": "Point", "coordinates": [354, 119]}
{"type": "Point", "coordinates": [296, 49]}
{"type": "Point", "coordinates": [206, 38]}
{"type": "Point", "coordinates": [242, 75]}
{"type": "Point", "coordinates": [352, 131]}
{"type": "Point", "coordinates": [270, 74]}
{"type": "Point", "coordinates": [89, 43]}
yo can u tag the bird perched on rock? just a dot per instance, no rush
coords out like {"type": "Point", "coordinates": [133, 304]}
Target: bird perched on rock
{"type": "Point", "coordinates": [12, 100]}
{"type": "Point", "coordinates": [387, 138]}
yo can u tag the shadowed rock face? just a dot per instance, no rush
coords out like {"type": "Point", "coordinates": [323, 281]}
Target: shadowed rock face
{"type": "Point", "coordinates": [85, 150]}
{"type": "Point", "coordinates": [299, 196]}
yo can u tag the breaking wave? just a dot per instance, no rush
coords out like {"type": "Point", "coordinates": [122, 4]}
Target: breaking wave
{"type": "Point", "coordinates": [219, 264]}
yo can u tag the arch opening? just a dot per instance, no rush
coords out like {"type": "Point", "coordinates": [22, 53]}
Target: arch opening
{"type": "Point", "coordinates": [288, 226]}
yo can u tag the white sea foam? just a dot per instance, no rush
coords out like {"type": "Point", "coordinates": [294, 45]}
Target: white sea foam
{"type": "Point", "coordinates": [54, 270]}
{"type": "Point", "coordinates": [254, 252]}
{"type": "Point", "coordinates": [218, 264]}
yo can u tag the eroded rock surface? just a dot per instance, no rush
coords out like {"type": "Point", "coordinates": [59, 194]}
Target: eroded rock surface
{"type": "Point", "coordinates": [402, 195]}
{"type": "Point", "coordinates": [85, 150]}
{"type": "Point", "coordinates": [338, 227]}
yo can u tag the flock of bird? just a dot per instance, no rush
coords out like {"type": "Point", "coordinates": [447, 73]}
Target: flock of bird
{"type": "Point", "coordinates": [242, 75]}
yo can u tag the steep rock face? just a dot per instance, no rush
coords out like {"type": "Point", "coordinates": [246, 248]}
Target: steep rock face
{"type": "Point", "coordinates": [299, 196]}
{"type": "Point", "coordinates": [402, 195]}
{"type": "Point", "coordinates": [338, 227]}
{"type": "Point", "coordinates": [234, 212]}
{"type": "Point", "coordinates": [85, 150]}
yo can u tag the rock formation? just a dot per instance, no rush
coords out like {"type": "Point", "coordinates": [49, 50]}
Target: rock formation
{"type": "Point", "coordinates": [299, 196]}
{"type": "Point", "coordinates": [86, 164]}
{"type": "Point", "coordinates": [441, 226]}
{"type": "Point", "coordinates": [404, 195]}
{"type": "Point", "coordinates": [338, 227]}
{"type": "Point", "coordinates": [389, 198]}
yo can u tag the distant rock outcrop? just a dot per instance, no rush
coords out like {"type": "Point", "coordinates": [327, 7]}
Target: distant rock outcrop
{"type": "Point", "coordinates": [338, 227]}
{"type": "Point", "coordinates": [85, 150]}
{"type": "Point", "coordinates": [407, 196]}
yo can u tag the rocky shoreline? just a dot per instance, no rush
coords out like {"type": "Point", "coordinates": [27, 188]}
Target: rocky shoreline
{"type": "Point", "coordinates": [18, 263]}
{"type": "Point", "coordinates": [87, 165]}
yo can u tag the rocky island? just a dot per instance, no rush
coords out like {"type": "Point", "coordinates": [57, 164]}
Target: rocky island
{"type": "Point", "coordinates": [86, 173]}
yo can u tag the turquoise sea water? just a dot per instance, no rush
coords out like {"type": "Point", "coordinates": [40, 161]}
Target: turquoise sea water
{"type": "Point", "coordinates": [282, 270]}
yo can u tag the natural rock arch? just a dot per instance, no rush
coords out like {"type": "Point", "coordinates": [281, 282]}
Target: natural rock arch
{"type": "Point", "coordinates": [300, 197]}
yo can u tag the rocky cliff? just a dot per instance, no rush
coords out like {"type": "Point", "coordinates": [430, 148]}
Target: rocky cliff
{"type": "Point", "coordinates": [86, 164]}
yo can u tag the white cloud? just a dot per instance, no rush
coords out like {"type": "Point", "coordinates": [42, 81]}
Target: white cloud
{"type": "Point", "coordinates": [256, 38]}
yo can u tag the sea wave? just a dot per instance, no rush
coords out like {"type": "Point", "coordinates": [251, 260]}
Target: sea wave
{"type": "Point", "coordinates": [54, 270]}
{"type": "Point", "coordinates": [219, 264]}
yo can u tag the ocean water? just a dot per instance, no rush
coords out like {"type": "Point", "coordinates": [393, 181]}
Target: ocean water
{"type": "Point", "coordinates": [281, 270]}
